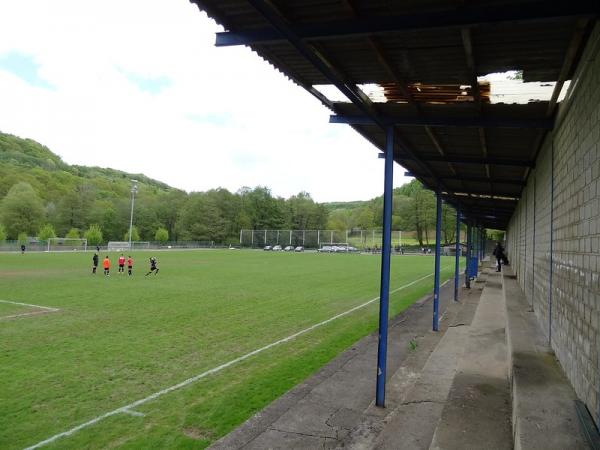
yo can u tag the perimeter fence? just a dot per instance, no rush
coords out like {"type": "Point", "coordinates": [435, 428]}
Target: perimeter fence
{"type": "Point", "coordinates": [315, 239]}
{"type": "Point", "coordinates": [42, 246]}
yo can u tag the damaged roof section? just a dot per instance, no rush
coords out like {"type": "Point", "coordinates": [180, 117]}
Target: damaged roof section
{"type": "Point", "coordinates": [506, 87]}
{"type": "Point", "coordinates": [420, 67]}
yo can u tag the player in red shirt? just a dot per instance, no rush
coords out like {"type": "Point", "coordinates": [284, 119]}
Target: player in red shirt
{"type": "Point", "coordinates": [129, 265]}
{"type": "Point", "coordinates": [121, 264]}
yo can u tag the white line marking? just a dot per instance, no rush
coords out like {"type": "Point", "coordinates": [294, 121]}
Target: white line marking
{"type": "Point", "coordinates": [46, 310]}
{"type": "Point", "coordinates": [126, 408]}
{"type": "Point", "coordinates": [34, 313]}
{"type": "Point", "coordinates": [134, 413]}
{"type": "Point", "coordinates": [28, 304]}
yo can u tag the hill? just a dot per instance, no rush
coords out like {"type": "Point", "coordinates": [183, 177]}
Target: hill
{"type": "Point", "coordinates": [38, 188]}
{"type": "Point", "coordinates": [29, 161]}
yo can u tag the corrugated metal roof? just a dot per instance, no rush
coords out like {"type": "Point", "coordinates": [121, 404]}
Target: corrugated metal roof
{"type": "Point", "coordinates": [439, 44]}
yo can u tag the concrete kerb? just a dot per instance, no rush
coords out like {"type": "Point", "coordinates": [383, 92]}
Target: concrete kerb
{"type": "Point", "coordinates": [543, 408]}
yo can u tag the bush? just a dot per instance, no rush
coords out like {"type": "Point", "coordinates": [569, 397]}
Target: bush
{"type": "Point", "coordinates": [93, 235]}
{"type": "Point", "coordinates": [2, 233]}
{"type": "Point", "coordinates": [22, 238]}
{"type": "Point", "coordinates": [161, 235]}
{"type": "Point", "coordinates": [73, 233]}
{"type": "Point", "coordinates": [46, 232]}
{"type": "Point", "coordinates": [135, 235]}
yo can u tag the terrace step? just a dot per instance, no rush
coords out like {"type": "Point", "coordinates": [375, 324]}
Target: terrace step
{"type": "Point", "coordinates": [417, 391]}
{"type": "Point", "coordinates": [544, 412]}
{"type": "Point", "coordinates": [477, 411]}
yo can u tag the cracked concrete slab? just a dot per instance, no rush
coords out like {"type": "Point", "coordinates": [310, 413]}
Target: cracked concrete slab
{"type": "Point", "coordinates": [309, 418]}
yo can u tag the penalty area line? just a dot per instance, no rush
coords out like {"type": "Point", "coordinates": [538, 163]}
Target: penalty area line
{"type": "Point", "coordinates": [127, 409]}
{"type": "Point", "coordinates": [45, 310]}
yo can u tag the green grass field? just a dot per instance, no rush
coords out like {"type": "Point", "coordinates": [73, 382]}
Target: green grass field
{"type": "Point", "coordinates": [120, 339]}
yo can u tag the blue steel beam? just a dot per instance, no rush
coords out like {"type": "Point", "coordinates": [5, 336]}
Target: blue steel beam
{"type": "Point", "coordinates": [384, 292]}
{"type": "Point", "coordinates": [512, 181]}
{"type": "Point", "coordinates": [457, 257]}
{"type": "Point", "coordinates": [436, 276]}
{"type": "Point", "coordinates": [284, 29]}
{"type": "Point", "coordinates": [468, 255]}
{"type": "Point", "coordinates": [470, 160]}
{"type": "Point", "coordinates": [456, 17]}
{"type": "Point", "coordinates": [475, 122]}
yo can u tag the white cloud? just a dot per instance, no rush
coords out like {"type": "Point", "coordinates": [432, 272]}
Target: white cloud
{"type": "Point", "coordinates": [223, 117]}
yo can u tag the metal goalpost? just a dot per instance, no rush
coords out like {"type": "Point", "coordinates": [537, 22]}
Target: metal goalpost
{"type": "Point", "coordinates": [65, 244]}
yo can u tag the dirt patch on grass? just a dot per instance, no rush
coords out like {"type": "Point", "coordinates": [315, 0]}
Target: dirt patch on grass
{"type": "Point", "coordinates": [197, 433]}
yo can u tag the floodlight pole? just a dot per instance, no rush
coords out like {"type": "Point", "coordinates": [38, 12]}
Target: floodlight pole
{"type": "Point", "coordinates": [133, 191]}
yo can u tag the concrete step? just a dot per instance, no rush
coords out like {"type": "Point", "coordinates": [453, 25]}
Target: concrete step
{"type": "Point", "coordinates": [544, 414]}
{"type": "Point", "coordinates": [418, 389]}
{"type": "Point", "coordinates": [476, 414]}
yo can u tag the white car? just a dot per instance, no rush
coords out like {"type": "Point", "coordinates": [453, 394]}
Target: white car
{"type": "Point", "coordinates": [277, 248]}
{"type": "Point", "coordinates": [289, 248]}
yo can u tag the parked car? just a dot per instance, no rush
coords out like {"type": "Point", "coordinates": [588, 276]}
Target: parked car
{"type": "Point", "coordinates": [277, 248]}
{"type": "Point", "coordinates": [267, 248]}
{"type": "Point", "coordinates": [289, 248]}
{"type": "Point", "coordinates": [299, 249]}
{"type": "Point", "coordinates": [326, 249]}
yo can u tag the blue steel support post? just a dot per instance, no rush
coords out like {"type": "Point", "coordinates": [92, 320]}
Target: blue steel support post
{"type": "Point", "coordinates": [457, 258]}
{"type": "Point", "coordinates": [481, 244]}
{"type": "Point", "coordinates": [436, 281]}
{"type": "Point", "coordinates": [385, 268]}
{"type": "Point", "coordinates": [468, 256]}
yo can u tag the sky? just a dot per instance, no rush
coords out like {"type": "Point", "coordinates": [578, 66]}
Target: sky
{"type": "Point", "coordinates": [138, 85]}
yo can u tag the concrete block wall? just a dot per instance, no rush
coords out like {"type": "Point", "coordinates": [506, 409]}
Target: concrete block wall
{"type": "Point", "coordinates": [553, 239]}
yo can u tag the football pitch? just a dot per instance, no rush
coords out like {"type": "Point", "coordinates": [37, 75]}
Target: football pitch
{"type": "Point", "coordinates": [179, 359]}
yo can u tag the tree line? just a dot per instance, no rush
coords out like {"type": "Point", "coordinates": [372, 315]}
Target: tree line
{"type": "Point", "coordinates": [44, 197]}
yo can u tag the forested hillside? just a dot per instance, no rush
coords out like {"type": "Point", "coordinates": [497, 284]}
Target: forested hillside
{"type": "Point", "coordinates": [40, 195]}
{"type": "Point", "coordinates": [38, 189]}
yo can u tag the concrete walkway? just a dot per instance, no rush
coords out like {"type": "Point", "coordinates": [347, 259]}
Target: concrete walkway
{"type": "Point", "coordinates": [334, 407]}
{"type": "Point", "coordinates": [446, 390]}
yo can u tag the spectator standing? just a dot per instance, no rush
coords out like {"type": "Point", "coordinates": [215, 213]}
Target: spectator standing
{"type": "Point", "coordinates": [499, 254]}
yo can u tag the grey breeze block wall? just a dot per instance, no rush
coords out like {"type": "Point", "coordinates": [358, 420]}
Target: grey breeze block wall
{"type": "Point", "coordinates": [553, 238]}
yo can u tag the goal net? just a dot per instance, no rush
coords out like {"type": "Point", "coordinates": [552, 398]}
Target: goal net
{"type": "Point", "coordinates": [140, 245]}
{"type": "Point", "coordinates": [117, 246]}
{"type": "Point", "coordinates": [66, 244]}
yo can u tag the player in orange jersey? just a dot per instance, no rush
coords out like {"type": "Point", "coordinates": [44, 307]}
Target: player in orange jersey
{"type": "Point", "coordinates": [106, 266]}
